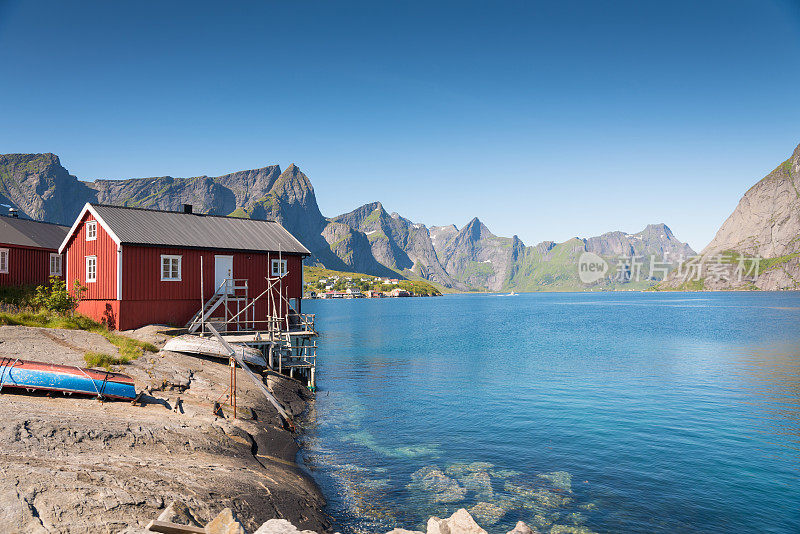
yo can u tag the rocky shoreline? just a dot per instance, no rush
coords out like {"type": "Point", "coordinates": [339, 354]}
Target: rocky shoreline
{"type": "Point", "coordinates": [80, 465]}
{"type": "Point", "coordinates": [75, 465]}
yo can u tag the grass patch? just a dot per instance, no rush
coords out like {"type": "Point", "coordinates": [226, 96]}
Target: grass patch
{"type": "Point", "coordinates": [101, 359]}
{"type": "Point", "coordinates": [239, 213]}
{"type": "Point", "coordinates": [129, 348]}
{"type": "Point", "coordinates": [692, 285]}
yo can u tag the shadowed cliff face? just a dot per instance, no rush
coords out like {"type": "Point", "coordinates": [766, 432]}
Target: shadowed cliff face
{"type": "Point", "coordinates": [367, 239]}
{"type": "Point", "coordinates": [766, 224]}
{"type": "Point", "coordinates": [39, 187]}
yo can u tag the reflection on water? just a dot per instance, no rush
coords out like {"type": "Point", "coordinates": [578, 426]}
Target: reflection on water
{"type": "Point", "coordinates": [772, 374]}
{"type": "Point", "coordinates": [636, 413]}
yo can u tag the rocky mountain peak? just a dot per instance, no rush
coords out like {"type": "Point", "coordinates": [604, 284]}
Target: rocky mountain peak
{"type": "Point", "coordinates": [476, 230]}
{"type": "Point", "coordinates": [659, 228]}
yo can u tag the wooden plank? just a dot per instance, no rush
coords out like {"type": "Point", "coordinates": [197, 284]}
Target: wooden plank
{"type": "Point", "coordinates": [166, 527]}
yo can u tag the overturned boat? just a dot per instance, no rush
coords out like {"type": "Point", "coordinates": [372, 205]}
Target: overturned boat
{"type": "Point", "coordinates": [205, 346]}
{"type": "Point", "coordinates": [68, 379]}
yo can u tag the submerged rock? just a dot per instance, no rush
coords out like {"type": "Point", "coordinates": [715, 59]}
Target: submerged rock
{"type": "Point", "coordinates": [458, 523]}
{"type": "Point", "coordinates": [487, 512]}
{"type": "Point", "coordinates": [558, 479]}
{"type": "Point", "coordinates": [462, 469]}
{"type": "Point", "coordinates": [423, 472]}
{"type": "Point", "coordinates": [568, 529]}
{"type": "Point", "coordinates": [442, 488]}
{"type": "Point", "coordinates": [540, 521]}
{"type": "Point", "coordinates": [576, 518]}
{"type": "Point", "coordinates": [536, 498]}
{"type": "Point", "coordinates": [550, 499]}
{"type": "Point", "coordinates": [457, 470]}
{"type": "Point", "coordinates": [480, 483]}
{"type": "Point", "coordinates": [504, 473]}
{"type": "Point", "coordinates": [506, 503]}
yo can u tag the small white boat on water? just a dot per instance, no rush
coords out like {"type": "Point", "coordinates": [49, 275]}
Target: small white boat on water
{"type": "Point", "coordinates": [205, 346]}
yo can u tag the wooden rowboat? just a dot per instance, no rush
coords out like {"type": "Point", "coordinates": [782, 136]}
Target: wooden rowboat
{"type": "Point", "coordinates": [41, 376]}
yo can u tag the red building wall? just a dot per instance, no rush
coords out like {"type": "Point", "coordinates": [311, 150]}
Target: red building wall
{"type": "Point", "coordinates": [146, 299]}
{"type": "Point", "coordinates": [27, 265]}
{"type": "Point", "coordinates": [178, 301]}
{"type": "Point", "coordinates": [100, 299]}
{"type": "Point", "coordinates": [105, 288]}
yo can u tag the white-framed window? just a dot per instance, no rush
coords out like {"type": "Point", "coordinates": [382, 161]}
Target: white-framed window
{"type": "Point", "coordinates": [91, 230]}
{"type": "Point", "coordinates": [91, 268]}
{"type": "Point", "coordinates": [278, 268]}
{"type": "Point", "coordinates": [4, 260]}
{"type": "Point", "coordinates": [55, 264]}
{"type": "Point", "coordinates": [170, 268]}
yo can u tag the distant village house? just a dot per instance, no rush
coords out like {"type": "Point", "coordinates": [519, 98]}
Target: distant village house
{"type": "Point", "coordinates": [29, 251]}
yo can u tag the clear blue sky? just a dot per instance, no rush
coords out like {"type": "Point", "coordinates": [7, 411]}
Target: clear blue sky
{"type": "Point", "coordinates": [548, 120]}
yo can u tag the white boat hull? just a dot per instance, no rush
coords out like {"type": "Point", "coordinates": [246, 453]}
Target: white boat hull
{"type": "Point", "coordinates": [190, 344]}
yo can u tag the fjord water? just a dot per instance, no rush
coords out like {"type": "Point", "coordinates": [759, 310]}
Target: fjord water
{"type": "Point", "coordinates": [603, 412]}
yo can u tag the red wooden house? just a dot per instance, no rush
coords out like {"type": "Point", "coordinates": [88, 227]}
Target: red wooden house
{"type": "Point", "coordinates": [143, 266]}
{"type": "Point", "coordinates": [29, 251]}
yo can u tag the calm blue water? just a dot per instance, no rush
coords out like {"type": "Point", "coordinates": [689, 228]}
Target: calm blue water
{"type": "Point", "coordinates": [606, 412]}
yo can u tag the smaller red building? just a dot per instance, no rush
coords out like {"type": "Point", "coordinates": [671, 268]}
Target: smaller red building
{"type": "Point", "coordinates": [29, 251]}
{"type": "Point", "coordinates": [143, 266]}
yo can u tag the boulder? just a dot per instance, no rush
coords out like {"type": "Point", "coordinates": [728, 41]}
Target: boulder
{"type": "Point", "coordinates": [280, 526]}
{"type": "Point", "coordinates": [458, 523]}
{"type": "Point", "coordinates": [225, 523]}
{"type": "Point", "coordinates": [522, 528]}
{"type": "Point", "coordinates": [178, 512]}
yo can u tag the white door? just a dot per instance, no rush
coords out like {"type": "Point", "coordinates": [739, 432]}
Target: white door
{"type": "Point", "coordinates": [223, 270]}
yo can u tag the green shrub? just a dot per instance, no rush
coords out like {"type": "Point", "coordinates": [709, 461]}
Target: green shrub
{"type": "Point", "coordinates": [54, 297]}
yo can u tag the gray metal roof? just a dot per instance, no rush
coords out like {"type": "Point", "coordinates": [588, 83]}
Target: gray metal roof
{"type": "Point", "coordinates": [28, 233]}
{"type": "Point", "coordinates": [194, 230]}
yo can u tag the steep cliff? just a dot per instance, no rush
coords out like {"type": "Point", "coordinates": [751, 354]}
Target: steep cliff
{"type": "Point", "coordinates": [399, 243]}
{"type": "Point", "coordinates": [765, 230]}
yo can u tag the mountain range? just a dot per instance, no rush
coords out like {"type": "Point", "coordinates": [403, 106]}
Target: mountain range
{"type": "Point", "coordinates": [368, 239]}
